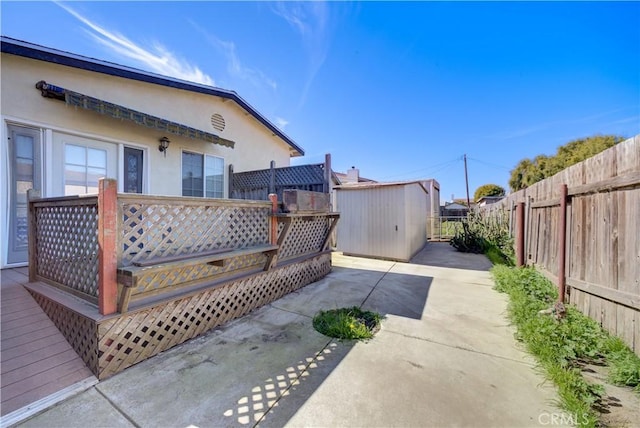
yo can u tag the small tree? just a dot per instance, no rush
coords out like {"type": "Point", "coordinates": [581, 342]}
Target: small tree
{"type": "Point", "coordinates": [488, 190]}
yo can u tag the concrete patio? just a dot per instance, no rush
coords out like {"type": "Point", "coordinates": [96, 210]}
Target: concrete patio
{"type": "Point", "coordinates": [445, 356]}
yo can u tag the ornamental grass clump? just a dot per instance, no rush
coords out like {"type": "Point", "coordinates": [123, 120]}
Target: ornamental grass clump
{"type": "Point", "coordinates": [347, 323]}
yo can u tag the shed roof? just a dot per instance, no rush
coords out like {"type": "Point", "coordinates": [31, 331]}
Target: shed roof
{"type": "Point", "coordinates": [372, 185]}
{"type": "Point", "coordinates": [30, 50]}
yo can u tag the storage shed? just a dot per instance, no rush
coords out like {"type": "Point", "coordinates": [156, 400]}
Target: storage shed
{"type": "Point", "coordinates": [382, 220]}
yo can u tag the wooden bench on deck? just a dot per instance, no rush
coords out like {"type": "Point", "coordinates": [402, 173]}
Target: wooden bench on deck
{"type": "Point", "coordinates": [128, 276]}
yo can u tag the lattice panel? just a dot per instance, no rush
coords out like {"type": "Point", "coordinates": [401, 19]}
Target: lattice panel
{"type": "Point", "coordinates": [256, 184]}
{"type": "Point", "coordinates": [136, 336]}
{"type": "Point", "coordinates": [67, 245]}
{"type": "Point", "coordinates": [172, 277]}
{"type": "Point", "coordinates": [252, 179]}
{"type": "Point", "coordinates": [157, 230]}
{"type": "Point", "coordinates": [300, 175]}
{"type": "Point", "coordinates": [80, 332]}
{"type": "Point", "coordinates": [306, 235]}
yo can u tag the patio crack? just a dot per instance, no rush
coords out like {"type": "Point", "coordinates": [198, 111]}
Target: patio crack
{"type": "Point", "coordinates": [377, 283]}
{"type": "Point", "coordinates": [118, 409]}
{"type": "Point", "coordinates": [462, 348]}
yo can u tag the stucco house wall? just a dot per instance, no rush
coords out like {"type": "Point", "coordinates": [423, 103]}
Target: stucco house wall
{"type": "Point", "coordinates": [56, 124]}
{"type": "Point", "coordinates": [22, 103]}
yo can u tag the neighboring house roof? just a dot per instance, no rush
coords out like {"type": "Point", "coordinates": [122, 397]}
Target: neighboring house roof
{"type": "Point", "coordinates": [343, 177]}
{"type": "Point", "coordinates": [454, 206]}
{"type": "Point", "coordinates": [489, 199]}
{"type": "Point", "coordinates": [374, 184]}
{"type": "Point", "coordinates": [42, 53]}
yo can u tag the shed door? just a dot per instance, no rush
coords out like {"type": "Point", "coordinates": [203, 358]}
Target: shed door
{"type": "Point", "coordinates": [24, 161]}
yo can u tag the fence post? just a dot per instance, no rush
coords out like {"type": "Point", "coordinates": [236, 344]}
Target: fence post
{"type": "Point", "coordinates": [272, 178]}
{"type": "Point", "coordinates": [273, 235]}
{"type": "Point", "coordinates": [520, 234]}
{"type": "Point", "coordinates": [511, 218]}
{"type": "Point", "coordinates": [230, 181]}
{"type": "Point", "coordinates": [562, 243]}
{"type": "Point", "coordinates": [327, 173]}
{"type": "Point", "coordinates": [107, 254]}
{"type": "Point", "coordinates": [32, 235]}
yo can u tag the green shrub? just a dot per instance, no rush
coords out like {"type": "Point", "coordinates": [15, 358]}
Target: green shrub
{"type": "Point", "coordinates": [485, 234]}
{"type": "Point", "coordinates": [469, 239]}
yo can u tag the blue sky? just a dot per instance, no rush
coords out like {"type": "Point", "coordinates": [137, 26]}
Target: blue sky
{"type": "Point", "coordinates": [401, 90]}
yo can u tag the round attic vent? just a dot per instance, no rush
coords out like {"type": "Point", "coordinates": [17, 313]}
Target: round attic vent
{"type": "Point", "coordinates": [217, 121]}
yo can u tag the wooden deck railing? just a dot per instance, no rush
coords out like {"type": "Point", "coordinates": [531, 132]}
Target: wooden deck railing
{"type": "Point", "coordinates": [113, 249]}
{"type": "Point", "coordinates": [63, 244]}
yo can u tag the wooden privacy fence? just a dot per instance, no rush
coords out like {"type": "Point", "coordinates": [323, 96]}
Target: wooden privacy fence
{"type": "Point", "coordinates": [259, 184]}
{"type": "Point", "coordinates": [581, 228]}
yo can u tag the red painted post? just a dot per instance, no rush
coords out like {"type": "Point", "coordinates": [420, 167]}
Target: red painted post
{"type": "Point", "coordinates": [520, 234]}
{"type": "Point", "coordinates": [32, 235]}
{"type": "Point", "coordinates": [107, 256]}
{"type": "Point", "coordinates": [273, 236]}
{"type": "Point", "coordinates": [562, 243]}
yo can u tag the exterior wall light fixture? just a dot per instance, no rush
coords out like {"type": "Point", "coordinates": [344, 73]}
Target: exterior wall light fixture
{"type": "Point", "coordinates": [164, 145]}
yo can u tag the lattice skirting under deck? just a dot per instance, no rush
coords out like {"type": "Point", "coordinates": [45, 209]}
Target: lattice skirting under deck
{"type": "Point", "coordinates": [110, 345]}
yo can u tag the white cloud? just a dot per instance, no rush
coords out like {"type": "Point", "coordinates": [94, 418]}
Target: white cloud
{"type": "Point", "coordinates": [282, 123]}
{"type": "Point", "coordinates": [632, 119]}
{"type": "Point", "coordinates": [311, 20]}
{"type": "Point", "coordinates": [522, 132]}
{"type": "Point", "coordinates": [157, 59]}
{"type": "Point", "coordinates": [235, 67]}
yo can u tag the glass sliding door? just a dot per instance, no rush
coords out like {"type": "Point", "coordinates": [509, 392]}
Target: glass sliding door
{"type": "Point", "coordinates": [24, 158]}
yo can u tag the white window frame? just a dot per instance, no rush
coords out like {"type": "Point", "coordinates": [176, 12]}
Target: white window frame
{"type": "Point", "coordinates": [204, 169]}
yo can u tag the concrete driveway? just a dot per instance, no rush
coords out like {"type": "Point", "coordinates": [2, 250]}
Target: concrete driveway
{"type": "Point", "coordinates": [445, 356]}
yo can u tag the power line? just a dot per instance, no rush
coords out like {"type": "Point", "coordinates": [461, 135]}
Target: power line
{"type": "Point", "coordinates": [489, 163]}
{"type": "Point", "coordinates": [427, 168]}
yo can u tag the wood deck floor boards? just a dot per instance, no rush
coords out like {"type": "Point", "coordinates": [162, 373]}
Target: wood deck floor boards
{"type": "Point", "coordinates": [36, 360]}
{"type": "Point", "coordinates": [37, 368]}
{"type": "Point", "coordinates": [44, 390]}
{"type": "Point", "coordinates": [27, 316]}
{"type": "Point", "coordinates": [35, 382]}
{"type": "Point", "coordinates": [35, 345]}
{"type": "Point", "coordinates": [11, 364]}
{"type": "Point", "coordinates": [24, 324]}
{"type": "Point", "coordinates": [22, 340]}
{"type": "Point", "coordinates": [9, 307]}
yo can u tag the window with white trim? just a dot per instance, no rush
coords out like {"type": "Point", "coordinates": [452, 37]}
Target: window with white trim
{"type": "Point", "coordinates": [202, 175]}
{"type": "Point", "coordinates": [83, 167]}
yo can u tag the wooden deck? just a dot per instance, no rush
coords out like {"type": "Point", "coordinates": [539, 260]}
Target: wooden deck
{"type": "Point", "coordinates": [35, 358]}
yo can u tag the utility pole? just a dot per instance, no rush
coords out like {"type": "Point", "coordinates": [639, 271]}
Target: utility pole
{"type": "Point", "coordinates": [466, 179]}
